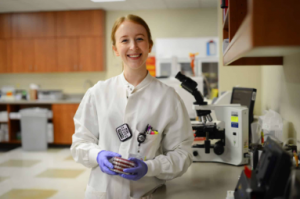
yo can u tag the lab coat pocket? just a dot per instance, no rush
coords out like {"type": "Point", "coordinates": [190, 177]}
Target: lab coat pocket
{"type": "Point", "coordinates": [150, 148]}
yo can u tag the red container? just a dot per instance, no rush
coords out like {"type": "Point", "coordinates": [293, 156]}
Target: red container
{"type": "Point", "coordinates": [120, 164]}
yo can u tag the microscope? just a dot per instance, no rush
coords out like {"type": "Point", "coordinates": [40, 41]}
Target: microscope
{"type": "Point", "coordinates": [224, 128]}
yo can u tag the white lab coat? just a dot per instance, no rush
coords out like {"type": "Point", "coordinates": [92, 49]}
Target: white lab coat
{"type": "Point", "coordinates": [105, 107]}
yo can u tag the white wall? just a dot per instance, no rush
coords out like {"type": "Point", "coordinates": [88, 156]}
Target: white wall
{"type": "Point", "coordinates": [281, 91]}
{"type": "Point", "coordinates": [163, 23]}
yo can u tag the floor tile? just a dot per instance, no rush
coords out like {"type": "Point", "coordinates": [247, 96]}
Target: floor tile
{"type": "Point", "coordinates": [69, 158]}
{"type": "Point", "coordinates": [60, 173]}
{"type": "Point", "coordinates": [53, 150]}
{"type": "Point", "coordinates": [28, 194]}
{"type": "Point", "coordinates": [19, 163]}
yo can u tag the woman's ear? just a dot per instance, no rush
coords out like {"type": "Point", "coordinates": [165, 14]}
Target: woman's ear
{"type": "Point", "coordinates": [115, 50]}
{"type": "Point", "coordinates": [150, 48]}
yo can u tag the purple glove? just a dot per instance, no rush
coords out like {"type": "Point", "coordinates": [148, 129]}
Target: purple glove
{"type": "Point", "coordinates": [103, 161]}
{"type": "Point", "coordinates": [137, 172]}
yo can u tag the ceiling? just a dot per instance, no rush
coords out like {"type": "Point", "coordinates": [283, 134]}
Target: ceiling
{"type": "Point", "coordinates": [51, 5]}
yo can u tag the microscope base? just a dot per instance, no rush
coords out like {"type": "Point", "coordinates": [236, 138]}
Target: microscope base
{"type": "Point", "coordinates": [199, 155]}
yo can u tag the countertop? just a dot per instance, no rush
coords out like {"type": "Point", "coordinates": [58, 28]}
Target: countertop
{"type": "Point", "coordinates": [202, 180]}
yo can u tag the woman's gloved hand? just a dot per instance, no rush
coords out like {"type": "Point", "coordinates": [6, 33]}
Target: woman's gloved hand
{"type": "Point", "coordinates": [103, 161]}
{"type": "Point", "coordinates": [138, 172]}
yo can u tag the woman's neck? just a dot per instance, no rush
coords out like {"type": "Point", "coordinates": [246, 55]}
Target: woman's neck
{"type": "Point", "coordinates": [135, 77]}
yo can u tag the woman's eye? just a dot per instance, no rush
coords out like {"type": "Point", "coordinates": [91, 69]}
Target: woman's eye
{"type": "Point", "coordinates": [125, 40]}
{"type": "Point", "coordinates": [140, 39]}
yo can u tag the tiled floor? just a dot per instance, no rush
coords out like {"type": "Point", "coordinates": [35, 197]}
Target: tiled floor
{"type": "Point", "coordinates": [41, 175]}
{"type": "Point", "coordinates": [55, 175]}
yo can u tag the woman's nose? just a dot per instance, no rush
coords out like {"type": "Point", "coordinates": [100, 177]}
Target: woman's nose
{"type": "Point", "coordinates": [133, 45]}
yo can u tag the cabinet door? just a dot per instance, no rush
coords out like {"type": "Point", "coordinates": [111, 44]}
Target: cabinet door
{"type": "Point", "coordinates": [80, 23]}
{"type": "Point", "coordinates": [45, 55]}
{"type": "Point", "coordinates": [22, 55]}
{"type": "Point", "coordinates": [91, 57]}
{"type": "Point", "coordinates": [5, 26]}
{"type": "Point", "coordinates": [63, 122]}
{"type": "Point", "coordinates": [67, 54]}
{"type": "Point", "coordinates": [4, 56]}
{"type": "Point", "coordinates": [31, 25]}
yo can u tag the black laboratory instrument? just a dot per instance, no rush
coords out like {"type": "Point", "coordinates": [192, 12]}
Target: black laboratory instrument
{"type": "Point", "coordinates": [270, 178]}
{"type": "Point", "coordinates": [209, 131]}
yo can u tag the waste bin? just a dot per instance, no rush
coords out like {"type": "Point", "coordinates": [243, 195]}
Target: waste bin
{"type": "Point", "coordinates": [34, 129]}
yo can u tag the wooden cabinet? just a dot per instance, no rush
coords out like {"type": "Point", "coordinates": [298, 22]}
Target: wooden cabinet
{"type": "Point", "coordinates": [42, 42]}
{"type": "Point", "coordinates": [261, 32]}
{"type": "Point", "coordinates": [33, 55]}
{"type": "Point", "coordinates": [22, 55]}
{"type": "Point", "coordinates": [80, 54]}
{"type": "Point", "coordinates": [67, 53]}
{"type": "Point", "coordinates": [32, 25]}
{"type": "Point", "coordinates": [5, 49]}
{"type": "Point", "coordinates": [80, 23]}
{"type": "Point", "coordinates": [63, 122]}
{"type": "Point", "coordinates": [5, 26]}
{"type": "Point", "coordinates": [91, 53]}
{"type": "Point", "coordinates": [45, 59]}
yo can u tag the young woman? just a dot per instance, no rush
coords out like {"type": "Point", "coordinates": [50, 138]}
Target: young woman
{"type": "Point", "coordinates": [131, 101]}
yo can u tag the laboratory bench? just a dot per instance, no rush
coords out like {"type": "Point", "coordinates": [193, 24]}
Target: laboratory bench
{"type": "Point", "coordinates": [202, 180]}
{"type": "Point", "coordinates": [63, 112]}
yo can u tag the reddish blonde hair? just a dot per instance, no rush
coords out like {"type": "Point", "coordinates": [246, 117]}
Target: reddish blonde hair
{"type": "Point", "coordinates": [133, 18]}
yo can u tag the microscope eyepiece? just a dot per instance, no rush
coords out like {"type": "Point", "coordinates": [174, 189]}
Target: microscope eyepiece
{"type": "Point", "coordinates": [180, 76]}
{"type": "Point", "coordinates": [186, 81]}
{"type": "Point", "coordinates": [191, 86]}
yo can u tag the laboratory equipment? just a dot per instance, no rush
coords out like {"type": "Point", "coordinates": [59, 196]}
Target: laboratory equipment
{"type": "Point", "coordinates": [271, 177]}
{"type": "Point", "coordinates": [192, 56]}
{"type": "Point", "coordinates": [224, 127]}
{"type": "Point", "coordinates": [211, 48]}
{"type": "Point", "coordinates": [245, 97]}
{"type": "Point", "coordinates": [49, 94]}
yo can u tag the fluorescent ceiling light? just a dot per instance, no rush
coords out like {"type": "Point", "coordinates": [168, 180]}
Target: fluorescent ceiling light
{"type": "Point", "coordinates": [99, 1]}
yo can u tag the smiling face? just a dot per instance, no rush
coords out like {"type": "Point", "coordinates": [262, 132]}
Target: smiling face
{"type": "Point", "coordinates": [132, 45]}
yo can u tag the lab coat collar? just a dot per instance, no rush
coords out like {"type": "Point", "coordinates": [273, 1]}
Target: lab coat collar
{"type": "Point", "coordinates": [142, 84]}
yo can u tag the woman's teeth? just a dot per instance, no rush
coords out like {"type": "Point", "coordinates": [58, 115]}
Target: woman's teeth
{"type": "Point", "coordinates": [134, 56]}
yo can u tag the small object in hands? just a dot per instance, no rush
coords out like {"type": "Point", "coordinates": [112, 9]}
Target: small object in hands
{"type": "Point", "coordinates": [103, 161]}
{"type": "Point", "coordinates": [137, 172]}
{"type": "Point", "coordinates": [120, 164]}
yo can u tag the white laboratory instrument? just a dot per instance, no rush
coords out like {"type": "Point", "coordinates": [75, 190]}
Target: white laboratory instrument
{"type": "Point", "coordinates": [226, 133]}
{"type": "Point", "coordinates": [224, 127]}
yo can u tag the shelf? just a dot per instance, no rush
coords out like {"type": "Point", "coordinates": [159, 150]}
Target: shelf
{"type": "Point", "coordinates": [264, 36]}
{"type": "Point", "coordinates": [11, 142]}
{"type": "Point", "coordinates": [225, 23]}
{"type": "Point", "coordinates": [2, 122]}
